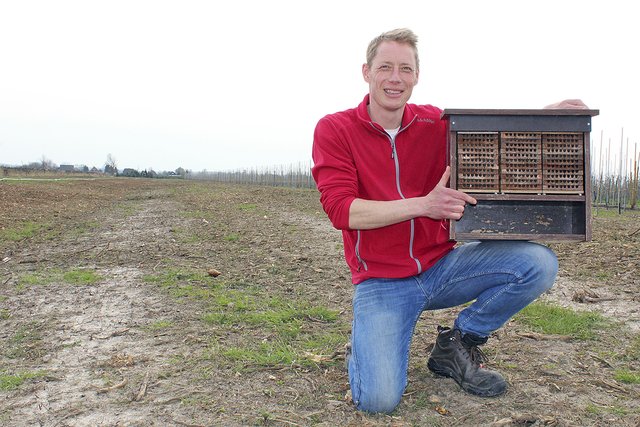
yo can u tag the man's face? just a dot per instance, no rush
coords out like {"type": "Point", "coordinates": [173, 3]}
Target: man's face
{"type": "Point", "coordinates": [392, 76]}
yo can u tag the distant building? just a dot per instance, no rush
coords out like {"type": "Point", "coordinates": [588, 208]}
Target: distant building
{"type": "Point", "coordinates": [67, 168]}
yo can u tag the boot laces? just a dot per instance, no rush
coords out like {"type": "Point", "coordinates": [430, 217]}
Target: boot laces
{"type": "Point", "coordinates": [476, 355]}
{"type": "Point", "coordinates": [471, 352]}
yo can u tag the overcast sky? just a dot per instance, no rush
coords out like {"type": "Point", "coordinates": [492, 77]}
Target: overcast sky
{"type": "Point", "coordinates": [221, 85]}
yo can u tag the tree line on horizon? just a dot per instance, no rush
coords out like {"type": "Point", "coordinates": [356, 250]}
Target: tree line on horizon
{"type": "Point", "coordinates": [610, 187]}
{"type": "Point", "coordinates": [110, 168]}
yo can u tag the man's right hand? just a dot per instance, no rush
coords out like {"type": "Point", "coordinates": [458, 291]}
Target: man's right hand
{"type": "Point", "coordinates": [444, 202]}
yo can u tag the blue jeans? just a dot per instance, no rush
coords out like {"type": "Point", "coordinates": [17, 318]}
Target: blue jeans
{"type": "Point", "coordinates": [501, 277]}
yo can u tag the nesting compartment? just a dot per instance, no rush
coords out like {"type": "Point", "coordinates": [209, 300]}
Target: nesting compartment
{"type": "Point", "coordinates": [528, 169]}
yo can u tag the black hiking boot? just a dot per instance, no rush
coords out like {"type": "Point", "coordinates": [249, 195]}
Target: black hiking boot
{"type": "Point", "coordinates": [461, 359]}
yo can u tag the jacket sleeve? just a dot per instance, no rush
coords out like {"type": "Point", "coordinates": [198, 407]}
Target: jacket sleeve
{"type": "Point", "coordinates": [334, 172]}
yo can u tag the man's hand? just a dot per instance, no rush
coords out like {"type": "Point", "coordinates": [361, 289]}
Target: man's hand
{"type": "Point", "coordinates": [444, 202]}
{"type": "Point", "coordinates": [568, 104]}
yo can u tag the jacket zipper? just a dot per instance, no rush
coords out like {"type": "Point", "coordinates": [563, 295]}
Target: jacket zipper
{"type": "Point", "coordinates": [361, 263]}
{"type": "Point", "coordinates": [394, 156]}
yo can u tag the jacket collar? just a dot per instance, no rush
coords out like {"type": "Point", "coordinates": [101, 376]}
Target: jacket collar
{"type": "Point", "coordinates": [363, 114]}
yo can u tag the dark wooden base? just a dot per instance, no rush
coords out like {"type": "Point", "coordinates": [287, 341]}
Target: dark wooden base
{"type": "Point", "coordinates": [507, 219]}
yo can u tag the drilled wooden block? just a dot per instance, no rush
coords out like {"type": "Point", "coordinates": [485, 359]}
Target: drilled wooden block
{"type": "Point", "coordinates": [478, 162]}
{"type": "Point", "coordinates": [520, 162]}
{"type": "Point", "coordinates": [563, 159]}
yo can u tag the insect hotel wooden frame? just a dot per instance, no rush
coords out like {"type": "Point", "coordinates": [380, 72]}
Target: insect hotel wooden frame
{"type": "Point", "coordinates": [529, 170]}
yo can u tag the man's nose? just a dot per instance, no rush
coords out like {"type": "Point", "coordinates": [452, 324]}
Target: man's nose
{"type": "Point", "coordinates": [395, 74]}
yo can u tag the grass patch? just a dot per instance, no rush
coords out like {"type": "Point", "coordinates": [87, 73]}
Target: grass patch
{"type": "Point", "coordinates": [200, 214]}
{"type": "Point", "coordinates": [555, 320]}
{"type": "Point", "coordinates": [182, 233]}
{"type": "Point", "coordinates": [190, 238]}
{"type": "Point", "coordinates": [626, 376]}
{"type": "Point", "coordinates": [128, 208]}
{"type": "Point", "coordinates": [633, 351]}
{"type": "Point", "coordinates": [611, 212]}
{"type": "Point", "coordinates": [72, 277]}
{"type": "Point", "coordinates": [81, 277]}
{"type": "Point", "coordinates": [604, 213]}
{"type": "Point", "coordinates": [234, 306]}
{"type": "Point", "coordinates": [34, 279]}
{"type": "Point", "coordinates": [184, 284]}
{"type": "Point", "coordinates": [615, 410]}
{"type": "Point", "coordinates": [248, 207]}
{"type": "Point", "coordinates": [297, 332]}
{"type": "Point", "coordinates": [24, 343]}
{"type": "Point", "coordinates": [273, 353]}
{"type": "Point", "coordinates": [24, 231]}
{"type": "Point", "coordinates": [263, 354]}
{"type": "Point", "coordinates": [326, 342]}
{"type": "Point", "coordinates": [82, 228]}
{"type": "Point", "coordinates": [160, 324]}
{"type": "Point", "coordinates": [13, 381]}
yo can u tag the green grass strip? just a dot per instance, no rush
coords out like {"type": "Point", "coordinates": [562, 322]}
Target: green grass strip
{"type": "Point", "coordinates": [555, 320]}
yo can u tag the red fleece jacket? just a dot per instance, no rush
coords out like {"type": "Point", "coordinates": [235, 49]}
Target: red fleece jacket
{"type": "Point", "coordinates": [354, 158]}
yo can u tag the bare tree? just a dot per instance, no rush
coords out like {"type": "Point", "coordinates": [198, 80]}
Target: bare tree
{"type": "Point", "coordinates": [633, 185]}
{"type": "Point", "coordinates": [111, 166]}
{"type": "Point", "coordinates": [46, 164]}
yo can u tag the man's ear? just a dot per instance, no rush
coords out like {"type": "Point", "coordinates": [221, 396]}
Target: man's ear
{"type": "Point", "coordinates": [366, 72]}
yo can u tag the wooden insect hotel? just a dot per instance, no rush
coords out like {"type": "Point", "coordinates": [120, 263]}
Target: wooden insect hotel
{"type": "Point", "coordinates": [529, 170]}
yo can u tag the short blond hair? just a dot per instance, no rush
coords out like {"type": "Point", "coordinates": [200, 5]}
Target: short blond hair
{"type": "Point", "coordinates": [400, 35]}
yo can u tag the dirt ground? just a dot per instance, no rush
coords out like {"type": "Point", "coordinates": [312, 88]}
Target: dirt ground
{"type": "Point", "coordinates": [152, 341]}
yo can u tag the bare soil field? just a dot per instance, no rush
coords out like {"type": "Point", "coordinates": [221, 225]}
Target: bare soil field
{"type": "Point", "coordinates": [135, 302]}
